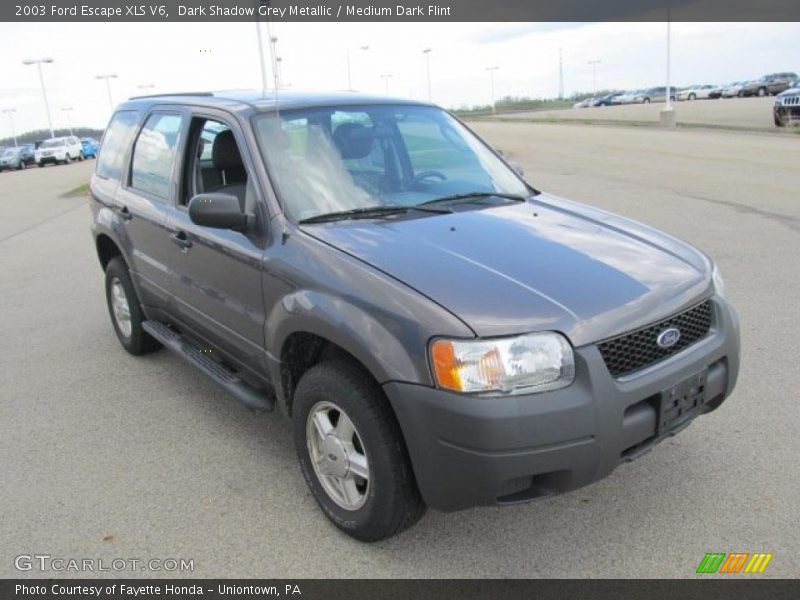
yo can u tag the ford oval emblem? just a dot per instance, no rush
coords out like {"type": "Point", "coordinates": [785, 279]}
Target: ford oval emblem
{"type": "Point", "coordinates": [668, 337]}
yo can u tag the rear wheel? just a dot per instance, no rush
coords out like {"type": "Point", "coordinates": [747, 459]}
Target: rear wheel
{"type": "Point", "coordinates": [646, 100]}
{"type": "Point", "coordinates": [21, 165]}
{"type": "Point", "coordinates": [692, 96]}
{"type": "Point", "coordinates": [40, 164]}
{"type": "Point", "coordinates": [126, 313]}
{"type": "Point", "coordinates": [67, 159]}
{"type": "Point", "coordinates": [762, 91]}
{"type": "Point", "coordinates": [352, 453]}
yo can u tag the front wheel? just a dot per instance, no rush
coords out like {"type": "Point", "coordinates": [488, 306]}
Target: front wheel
{"type": "Point", "coordinates": [126, 313]}
{"type": "Point", "coordinates": [646, 100]}
{"type": "Point", "coordinates": [352, 453]}
{"type": "Point", "coordinates": [692, 97]}
{"type": "Point", "coordinates": [762, 91]}
{"type": "Point", "coordinates": [40, 164]}
{"type": "Point", "coordinates": [21, 165]}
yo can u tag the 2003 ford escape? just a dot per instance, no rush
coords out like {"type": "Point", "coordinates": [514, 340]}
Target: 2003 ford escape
{"type": "Point", "coordinates": [439, 332]}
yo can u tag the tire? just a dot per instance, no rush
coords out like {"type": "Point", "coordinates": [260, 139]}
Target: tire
{"type": "Point", "coordinates": [40, 165]}
{"type": "Point", "coordinates": [21, 165]}
{"type": "Point", "coordinates": [67, 159]}
{"type": "Point", "coordinates": [761, 92]}
{"type": "Point", "coordinates": [132, 337]}
{"type": "Point", "coordinates": [646, 101]}
{"type": "Point", "coordinates": [740, 94]}
{"type": "Point", "coordinates": [779, 122]}
{"type": "Point", "coordinates": [387, 501]}
{"type": "Point", "coordinates": [80, 156]}
{"type": "Point", "coordinates": [692, 96]}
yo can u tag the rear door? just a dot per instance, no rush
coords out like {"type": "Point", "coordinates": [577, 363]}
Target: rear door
{"type": "Point", "coordinates": [144, 198]}
{"type": "Point", "coordinates": [216, 273]}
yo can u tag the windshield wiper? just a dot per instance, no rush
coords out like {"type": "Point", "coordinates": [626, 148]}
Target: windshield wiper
{"type": "Point", "coordinates": [367, 212]}
{"type": "Point", "coordinates": [473, 196]}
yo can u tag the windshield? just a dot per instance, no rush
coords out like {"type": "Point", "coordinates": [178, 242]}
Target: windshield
{"type": "Point", "coordinates": [52, 143]}
{"type": "Point", "coordinates": [327, 160]}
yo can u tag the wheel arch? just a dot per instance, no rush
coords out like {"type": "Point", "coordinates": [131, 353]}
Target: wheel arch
{"type": "Point", "coordinates": [308, 327]}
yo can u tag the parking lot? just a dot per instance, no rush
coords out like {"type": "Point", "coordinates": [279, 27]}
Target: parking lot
{"type": "Point", "coordinates": [732, 113]}
{"type": "Point", "coordinates": [106, 455]}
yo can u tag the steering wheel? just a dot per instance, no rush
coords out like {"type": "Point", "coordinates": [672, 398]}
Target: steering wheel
{"type": "Point", "coordinates": [422, 175]}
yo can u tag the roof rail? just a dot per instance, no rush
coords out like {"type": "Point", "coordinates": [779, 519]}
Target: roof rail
{"type": "Point", "coordinates": [171, 94]}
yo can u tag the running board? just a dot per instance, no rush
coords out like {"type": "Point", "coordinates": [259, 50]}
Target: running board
{"type": "Point", "coordinates": [227, 378]}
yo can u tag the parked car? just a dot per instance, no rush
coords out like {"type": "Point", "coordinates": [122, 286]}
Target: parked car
{"type": "Point", "coordinates": [90, 147]}
{"type": "Point", "coordinates": [16, 158]}
{"type": "Point", "coordinates": [696, 92]}
{"type": "Point", "coordinates": [626, 97]}
{"type": "Point", "coordinates": [59, 150]}
{"type": "Point", "coordinates": [769, 84]}
{"type": "Point", "coordinates": [786, 110]}
{"type": "Point", "coordinates": [607, 100]}
{"type": "Point", "coordinates": [439, 332]}
{"type": "Point", "coordinates": [655, 94]}
{"type": "Point", "coordinates": [585, 103]}
{"type": "Point", "coordinates": [734, 89]}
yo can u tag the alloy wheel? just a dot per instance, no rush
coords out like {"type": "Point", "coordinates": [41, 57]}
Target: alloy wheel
{"type": "Point", "coordinates": [338, 455]}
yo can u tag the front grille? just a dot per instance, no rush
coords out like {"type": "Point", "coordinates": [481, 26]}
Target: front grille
{"type": "Point", "coordinates": [633, 351]}
{"type": "Point", "coordinates": [790, 100]}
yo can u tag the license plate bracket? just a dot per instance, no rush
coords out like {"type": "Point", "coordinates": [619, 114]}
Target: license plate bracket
{"type": "Point", "coordinates": [682, 402]}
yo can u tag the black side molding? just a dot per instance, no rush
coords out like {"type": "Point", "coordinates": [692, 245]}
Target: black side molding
{"type": "Point", "coordinates": [227, 378]}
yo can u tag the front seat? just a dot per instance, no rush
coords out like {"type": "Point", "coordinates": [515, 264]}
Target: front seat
{"type": "Point", "coordinates": [227, 160]}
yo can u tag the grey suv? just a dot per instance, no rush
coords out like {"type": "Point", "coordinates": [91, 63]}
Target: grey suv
{"type": "Point", "coordinates": [439, 332]}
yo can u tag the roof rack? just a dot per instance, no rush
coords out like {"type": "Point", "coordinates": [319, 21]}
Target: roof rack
{"type": "Point", "coordinates": [171, 95]}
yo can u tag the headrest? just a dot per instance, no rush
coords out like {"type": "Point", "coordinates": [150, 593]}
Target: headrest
{"type": "Point", "coordinates": [225, 152]}
{"type": "Point", "coordinates": [353, 140]}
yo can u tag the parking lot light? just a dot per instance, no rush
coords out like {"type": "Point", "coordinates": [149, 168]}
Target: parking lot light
{"type": "Point", "coordinates": [68, 110]}
{"type": "Point", "coordinates": [427, 53]}
{"type": "Point", "coordinates": [386, 77]}
{"type": "Point", "coordinates": [146, 87]}
{"type": "Point", "coordinates": [594, 64]}
{"type": "Point", "coordinates": [10, 112]}
{"type": "Point", "coordinates": [349, 70]}
{"type": "Point", "coordinates": [108, 77]}
{"type": "Point", "coordinates": [38, 62]}
{"type": "Point", "coordinates": [491, 79]}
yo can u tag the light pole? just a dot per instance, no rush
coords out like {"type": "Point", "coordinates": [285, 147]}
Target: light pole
{"type": "Point", "coordinates": [349, 71]}
{"type": "Point", "coordinates": [427, 53]}
{"type": "Point", "coordinates": [491, 79]}
{"type": "Point", "coordinates": [273, 40]}
{"type": "Point", "coordinates": [386, 77]}
{"type": "Point", "coordinates": [669, 35]}
{"type": "Point", "coordinates": [560, 75]}
{"type": "Point", "coordinates": [38, 62]}
{"type": "Point", "coordinates": [10, 112]}
{"type": "Point", "coordinates": [145, 87]}
{"type": "Point", "coordinates": [594, 64]}
{"type": "Point", "coordinates": [108, 77]}
{"type": "Point", "coordinates": [262, 60]}
{"type": "Point", "coordinates": [68, 109]}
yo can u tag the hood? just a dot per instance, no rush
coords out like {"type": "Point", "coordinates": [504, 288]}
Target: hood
{"type": "Point", "coordinates": [548, 264]}
{"type": "Point", "coordinates": [790, 92]}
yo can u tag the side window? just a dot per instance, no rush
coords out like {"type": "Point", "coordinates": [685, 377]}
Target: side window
{"type": "Point", "coordinates": [154, 154]}
{"type": "Point", "coordinates": [116, 139]}
{"type": "Point", "coordinates": [214, 163]}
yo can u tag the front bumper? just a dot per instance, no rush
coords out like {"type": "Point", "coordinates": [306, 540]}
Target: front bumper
{"type": "Point", "coordinates": [50, 159]}
{"type": "Point", "coordinates": [469, 450]}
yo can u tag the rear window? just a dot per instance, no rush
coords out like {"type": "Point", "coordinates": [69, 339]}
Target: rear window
{"type": "Point", "coordinates": [115, 142]}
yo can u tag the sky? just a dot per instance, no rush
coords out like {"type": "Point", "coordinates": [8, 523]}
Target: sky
{"type": "Point", "coordinates": [215, 56]}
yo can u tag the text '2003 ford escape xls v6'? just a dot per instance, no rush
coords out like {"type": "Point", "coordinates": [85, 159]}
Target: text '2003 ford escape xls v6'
{"type": "Point", "coordinates": [439, 332]}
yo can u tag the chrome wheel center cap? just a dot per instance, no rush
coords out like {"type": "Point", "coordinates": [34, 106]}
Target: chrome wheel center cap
{"type": "Point", "coordinates": [334, 461]}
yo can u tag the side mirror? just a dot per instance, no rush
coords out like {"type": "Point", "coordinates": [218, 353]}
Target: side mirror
{"type": "Point", "coordinates": [221, 211]}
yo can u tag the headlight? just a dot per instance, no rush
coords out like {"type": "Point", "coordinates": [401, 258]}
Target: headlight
{"type": "Point", "coordinates": [534, 362]}
{"type": "Point", "coordinates": [719, 284]}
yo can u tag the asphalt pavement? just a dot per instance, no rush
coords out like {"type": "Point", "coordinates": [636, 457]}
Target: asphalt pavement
{"type": "Point", "coordinates": [106, 456]}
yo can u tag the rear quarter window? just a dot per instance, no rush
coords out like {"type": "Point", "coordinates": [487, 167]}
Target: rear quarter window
{"type": "Point", "coordinates": [116, 140]}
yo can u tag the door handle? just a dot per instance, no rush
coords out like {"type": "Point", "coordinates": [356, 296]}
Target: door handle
{"type": "Point", "coordinates": [125, 213]}
{"type": "Point", "coordinates": [180, 239]}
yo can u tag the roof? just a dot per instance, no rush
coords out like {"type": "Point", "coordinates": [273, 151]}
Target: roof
{"type": "Point", "coordinates": [258, 100]}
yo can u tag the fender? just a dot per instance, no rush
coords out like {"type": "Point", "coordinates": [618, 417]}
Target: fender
{"type": "Point", "coordinates": [348, 326]}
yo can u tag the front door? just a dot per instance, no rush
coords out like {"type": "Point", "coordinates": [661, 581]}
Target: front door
{"type": "Point", "coordinates": [216, 273]}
